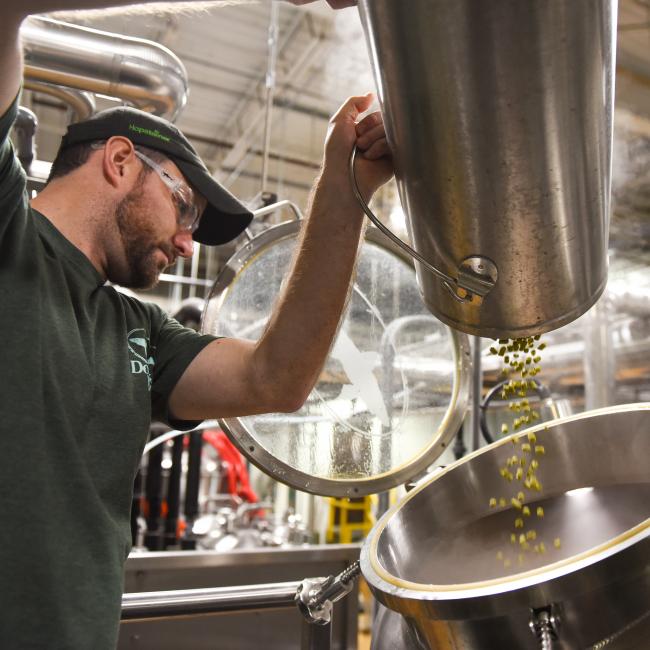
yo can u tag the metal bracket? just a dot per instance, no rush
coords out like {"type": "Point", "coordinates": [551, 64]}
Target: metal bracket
{"type": "Point", "coordinates": [477, 275]}
{"type": "Point", "coordinates": [316, 596]}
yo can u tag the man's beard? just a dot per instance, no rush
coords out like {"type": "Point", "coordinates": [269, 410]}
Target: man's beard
{"type": "Point", "coordinates": [138, 240]}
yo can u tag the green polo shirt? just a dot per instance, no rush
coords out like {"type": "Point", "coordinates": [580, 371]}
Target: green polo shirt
{"type": "Point", "coordinates": [84, 371]}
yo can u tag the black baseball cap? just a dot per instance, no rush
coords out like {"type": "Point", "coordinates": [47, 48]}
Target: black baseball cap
{"type": "Point", "coordinates": [224, 217]}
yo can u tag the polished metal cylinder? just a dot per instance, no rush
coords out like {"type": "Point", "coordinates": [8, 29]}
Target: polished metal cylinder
{"type": "Point", "coordinates": [141, 73]}
{"type": "Point", "coordinates": [192, 602]}
{"type": "Point", "coordinates": [499, 116]}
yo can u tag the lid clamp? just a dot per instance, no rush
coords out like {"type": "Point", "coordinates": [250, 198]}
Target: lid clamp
{"type": "Point", "coordinates": [315, 597]}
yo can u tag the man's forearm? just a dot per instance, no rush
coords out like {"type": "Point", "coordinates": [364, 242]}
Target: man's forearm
{"type": "Point", "coordinates": [10, 61]}
{"type": "Point", "coordinates": [299, 335]}
{"type": "Point", "coordinates": [290, 355]}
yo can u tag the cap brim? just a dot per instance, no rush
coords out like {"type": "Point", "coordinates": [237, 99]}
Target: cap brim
{"type": "Point", "coordinates": [225, 217]}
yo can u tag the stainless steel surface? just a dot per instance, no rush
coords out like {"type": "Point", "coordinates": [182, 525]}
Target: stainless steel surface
{"type": "Point", "coordinates": [249, 525]}
{"type": "Point", "coordinates": [314, 613]}
{"type": "Point", "coordinates": [433, 557]}
{"type": "Point", "coordinates": [141, 73]}
{"type": "Point", "coordinates": [184, 569]}
{"type": "Point", "coordinates": [543, 625]}
{"type": "Point", "coordinates": [183, 279]}
{"type": "Point", "coordinates": [599, 361]}
{"type": "Point", "coordinates": [316, 637]}
{"type": "Point", "coordinates": [268, 209]}
{"type": "Point", "coordinates": [458, 291]}
{"type": "Point", "coordinates": [477, 387]}
{"type": "Point", "coordinates": [476, 275]}
{"type": "Point", "coordinates": [80, 102]}
{"type": "Point", "coordinates": [499, 116]}
{"type": "Point", "coordinates": [316, 596]}
{"type": "Point", "coordinates": [192, 602]}
{"type": "Point", "coordinates": [394, 388]}
{"type": "Point", "coordinates": [280, 629]}
{"type": "Point", "coordinates": [316, 634]}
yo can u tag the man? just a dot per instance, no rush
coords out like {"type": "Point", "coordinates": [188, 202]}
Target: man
{"type": "Point", "coordinates": [86, 368]}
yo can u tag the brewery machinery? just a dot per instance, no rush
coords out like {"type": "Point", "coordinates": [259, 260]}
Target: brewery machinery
{"type": "Point", "coordinates": [499, 116]}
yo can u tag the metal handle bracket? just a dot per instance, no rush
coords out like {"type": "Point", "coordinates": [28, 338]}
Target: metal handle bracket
{"type": "Point", "coordinates": [477, 275]}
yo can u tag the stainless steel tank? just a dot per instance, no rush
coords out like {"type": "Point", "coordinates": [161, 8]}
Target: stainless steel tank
{"type": "Point", "coordinates": [438, 557]}
{"type": "Point", "coordinates": [499, 115]}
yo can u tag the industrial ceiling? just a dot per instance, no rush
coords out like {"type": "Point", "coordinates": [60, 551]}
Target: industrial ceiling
{"type": "Point", "coordinates": [321, 60]}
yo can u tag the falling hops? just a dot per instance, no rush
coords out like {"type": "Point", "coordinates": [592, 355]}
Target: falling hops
{"type": "Point", "coordinates": [521, 359]}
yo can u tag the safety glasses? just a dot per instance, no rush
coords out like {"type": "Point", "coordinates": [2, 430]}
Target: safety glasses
{"type": "Point", "coordinates": [187, 212]}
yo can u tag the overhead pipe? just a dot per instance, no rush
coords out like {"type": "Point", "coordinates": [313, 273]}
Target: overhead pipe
{"type": "Point", "coordinates": [139, 72]}
{"type": "Point", "coordinates": [270, 88]}
{"type": "Point", "coordinates": [81, 103]}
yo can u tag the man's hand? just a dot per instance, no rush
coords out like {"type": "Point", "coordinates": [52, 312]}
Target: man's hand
{"type": "Point", "coordinates": [335, 4]}
{"type": "Point", "coordinates": [374, 166]}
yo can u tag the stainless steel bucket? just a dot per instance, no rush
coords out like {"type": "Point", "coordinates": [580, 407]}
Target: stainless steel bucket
{"type": "Point", "coordinates": [434, 556]}
{"type": "Point", "coordinates": [499, 115]}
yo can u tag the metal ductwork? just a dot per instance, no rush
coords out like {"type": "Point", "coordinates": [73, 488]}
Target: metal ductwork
{"type": "Point", "coordinates": [141, 73]}
{"type": "Point", "coordinates": [81, 103]}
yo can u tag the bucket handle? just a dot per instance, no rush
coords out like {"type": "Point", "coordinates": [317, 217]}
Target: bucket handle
{"type": "Point", "coordinates": [476, 275]}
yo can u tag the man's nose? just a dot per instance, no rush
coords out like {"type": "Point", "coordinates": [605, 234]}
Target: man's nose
{"type": "Point", "coordinates": [184, 243]}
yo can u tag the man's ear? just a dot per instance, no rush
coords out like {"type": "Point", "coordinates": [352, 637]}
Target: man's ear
{"type": "Point", "coordinates": [119, 162]}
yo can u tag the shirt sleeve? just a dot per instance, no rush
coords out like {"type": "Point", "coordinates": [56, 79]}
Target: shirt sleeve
{"type": "Point", "coordinates": [12, 177]}
{"type": "Point", "coordinates": [13, 180]}
{"type": "Point", "coordinates": [175, 348]}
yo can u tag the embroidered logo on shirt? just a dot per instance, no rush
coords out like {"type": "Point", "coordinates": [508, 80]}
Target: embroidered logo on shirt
{"type": "Point", "coordinates": [139, 357]}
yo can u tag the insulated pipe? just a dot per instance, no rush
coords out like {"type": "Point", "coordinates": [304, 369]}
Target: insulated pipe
{"type": "Point", "coordinates": [270, 88]}
{"type": "Point", "coordinates": [80, 102]}
{"type": "Point", "coordinates": [139, 72]}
